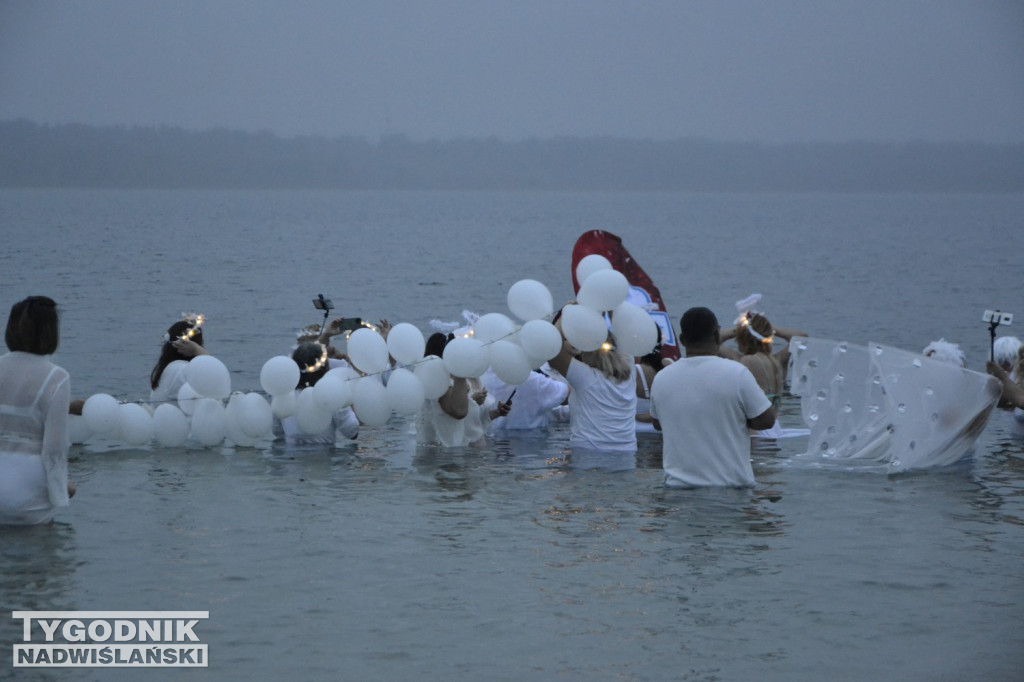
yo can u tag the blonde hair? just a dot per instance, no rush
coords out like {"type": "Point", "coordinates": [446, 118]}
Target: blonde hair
{"type": "Point", "coordinates": [609, 361]}
{"type": "Point", "coordinates": [748, 343]}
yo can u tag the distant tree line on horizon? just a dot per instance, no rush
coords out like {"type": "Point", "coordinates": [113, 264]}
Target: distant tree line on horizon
{"type": "Point", "coordinates": [77, 155]}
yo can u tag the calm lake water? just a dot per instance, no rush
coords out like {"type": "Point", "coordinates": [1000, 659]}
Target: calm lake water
{"type": "Point", "coordinates": [381, 560]}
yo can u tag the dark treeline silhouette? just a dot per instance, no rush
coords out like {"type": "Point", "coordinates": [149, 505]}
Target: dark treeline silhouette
{"type": "Point", "coordinates": [75, 155]}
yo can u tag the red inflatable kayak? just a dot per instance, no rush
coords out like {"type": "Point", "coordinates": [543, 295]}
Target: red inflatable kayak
{"type": "Point", "coordinates": [642, 291]}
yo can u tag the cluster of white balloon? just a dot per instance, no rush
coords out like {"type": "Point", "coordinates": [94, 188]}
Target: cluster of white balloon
{"type": "Point", "coordinates": [511, 351]}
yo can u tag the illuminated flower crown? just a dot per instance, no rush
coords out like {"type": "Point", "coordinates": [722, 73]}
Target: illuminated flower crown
{"type": "Point", "coordinates": [747, 312]}
{"type": "Point", "coordinates": [319, 363]}
{"type": "Point", "coordinates": [195, 321]}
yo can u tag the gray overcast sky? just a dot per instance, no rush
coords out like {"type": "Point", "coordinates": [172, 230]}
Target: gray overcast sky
{"type": "Point", "coordinates": [771, 71]}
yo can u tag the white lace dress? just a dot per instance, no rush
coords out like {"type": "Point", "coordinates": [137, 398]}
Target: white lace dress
{"type": "Point", "coordinates": [34, 397]}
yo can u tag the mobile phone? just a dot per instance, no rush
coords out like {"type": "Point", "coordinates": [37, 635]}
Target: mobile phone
{"type": "Point", "coordinates": [350, 324]}
{"type": "Point", "coordinates": [997, 317]}
{"type": "Point", "coordinates": [321, 303]}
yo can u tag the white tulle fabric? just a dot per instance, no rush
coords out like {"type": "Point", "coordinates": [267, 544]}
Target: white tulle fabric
{"type": "Point", "coordinates": [888, 405]}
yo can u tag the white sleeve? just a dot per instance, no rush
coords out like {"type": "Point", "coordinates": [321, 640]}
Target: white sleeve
{"type": "Point", "coordinates": [346, 423]}
{"type": "Point", "coordinates": [56, 440]}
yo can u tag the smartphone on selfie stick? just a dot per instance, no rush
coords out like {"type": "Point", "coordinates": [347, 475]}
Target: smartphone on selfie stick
{"type": "Point", "coordinates": [994, 319]}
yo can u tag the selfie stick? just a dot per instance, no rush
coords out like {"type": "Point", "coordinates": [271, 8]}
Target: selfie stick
{"type": "Point", "coordinates": [992, 334]}
{"type": "Point", "coordinates": [326, 305]}
{"type": "Point", "coordinates": [994, 319]}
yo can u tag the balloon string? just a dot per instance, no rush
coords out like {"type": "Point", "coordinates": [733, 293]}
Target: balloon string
{"type": "Point", "coordinates": [362, 374]}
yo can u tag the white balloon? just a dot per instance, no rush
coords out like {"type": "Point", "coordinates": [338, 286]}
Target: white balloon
{"type": "Point", "coordinates": [540, 339]}
{"type": "Point", "coordinates": [368, 351]}
{"type": "Point", "coordinates": [405, 343]}
{"type": "Point", "coordinates": [404, 392]}
{"type": "Point", "coordinates": [604, 290]}
{"type": "Point", "coordinates": [370, 402]}
{"type": "Point", "coordinates": [187, 399]}
{"type": "Point", "coordinates": [280, 375]}
{"type": "Point", "coordinates": [510, 362]}
{"type": "Point", "coordinates": [136, 424]}
{"type": "Point", "coordinates": [209, 422]}
{"type": "Point", "coordinates": [636, 332]}
{"type": "Point", "coordinates": [588, 265]}
{"type": "Point", "coordinates": [102, 412]}
{"type": "Point", "coordinates": [332, 392]}
{"type": "Point", "coordinates": [283, 405]}
{"type": "Point", "coordinates": [465, 357]}
{"type": "Point", "coordinates": [310, 416]}
{"type": "Point", "coordinates": [256, 418]}
{"type": "Point", "coordinates": [170, 425]}
{"type": "Point", "coordinates": [434, 376]}
{"type": "Point", "coordinates": [78, 429]}
{"type": "Point", "coordinates": [528, 299]}
{"type": "Point", "coordinates": [584, 327]}
{"type": "Point", "coordinates": [492, 327]}
{"type": "Point", "coordinates": [233, 412]}
{"type": "Point", "coordinates": [209, 377]}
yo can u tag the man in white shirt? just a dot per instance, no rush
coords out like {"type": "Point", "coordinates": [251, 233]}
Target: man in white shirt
{"type": "Point", "coordinates": [704, 406]}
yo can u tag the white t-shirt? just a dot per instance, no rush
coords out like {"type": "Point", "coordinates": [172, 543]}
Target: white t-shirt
{"type": "Point", "coordinates": [703, 404]}
{"type": "Point", "coordinates": [602, 413]}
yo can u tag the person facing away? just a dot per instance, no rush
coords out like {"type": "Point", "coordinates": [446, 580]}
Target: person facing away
{"type": "Point", "coordinates": [602, 402]}
{"type": "Point", "coordinates": [34, 399]}
{"type": "Point", "coordinates": [755, 336]}
{"type": "Point", "coordinates": [463, 414]}
{"type": "Point", "coordinates": [314, 363]}
{"type": "Point", "coordinates": [182, 342]}
{"type": "Point", "coordinates": [704, 405]}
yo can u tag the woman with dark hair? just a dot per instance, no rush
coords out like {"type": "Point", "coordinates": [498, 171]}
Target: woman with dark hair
{"type": "Point", "coordinates": [314, 361]}
{"type": "Point", "coordinates": [182, 342]}
{"type": "Point", "coordinates": [34, 398]}
{"type": "Point", "coordinates": [646, 369]}
{"type": "Point", "coordinates": [463, 414]}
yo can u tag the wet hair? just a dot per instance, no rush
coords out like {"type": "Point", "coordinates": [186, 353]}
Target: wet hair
{"type": "Point", "coordinates": [749, 344]}
{"type": "Point", "coordinates": [305, 355]}
{"type": "Point", "coordinates": [33, 326]}
{"type": "Point", "coordinates": [613, 364]}
{"type": "Point", "coordinates": [168, 353]}
{"type": "Point", "coordinates": [697, 325]}
{"type": "Point", "coordinates": [436, 343]}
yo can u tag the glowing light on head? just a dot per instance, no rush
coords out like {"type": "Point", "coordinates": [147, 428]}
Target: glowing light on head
{"type": "Point", "coordinates": [606, 347]}
{"type": "Point", "coordinates": [745, 323]}
{"type": "Point", "coordinates": [195, 321]}
{"type": "Point", "coordinates": [320, 362]}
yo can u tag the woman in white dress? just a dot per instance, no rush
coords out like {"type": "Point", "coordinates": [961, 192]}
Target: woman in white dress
{"type": "Point", "coordinates": [182, 342]}
{"type": "Point", "coordinates": [34, 398]}
{"type": "Point", "coordinates": [460, 417]}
